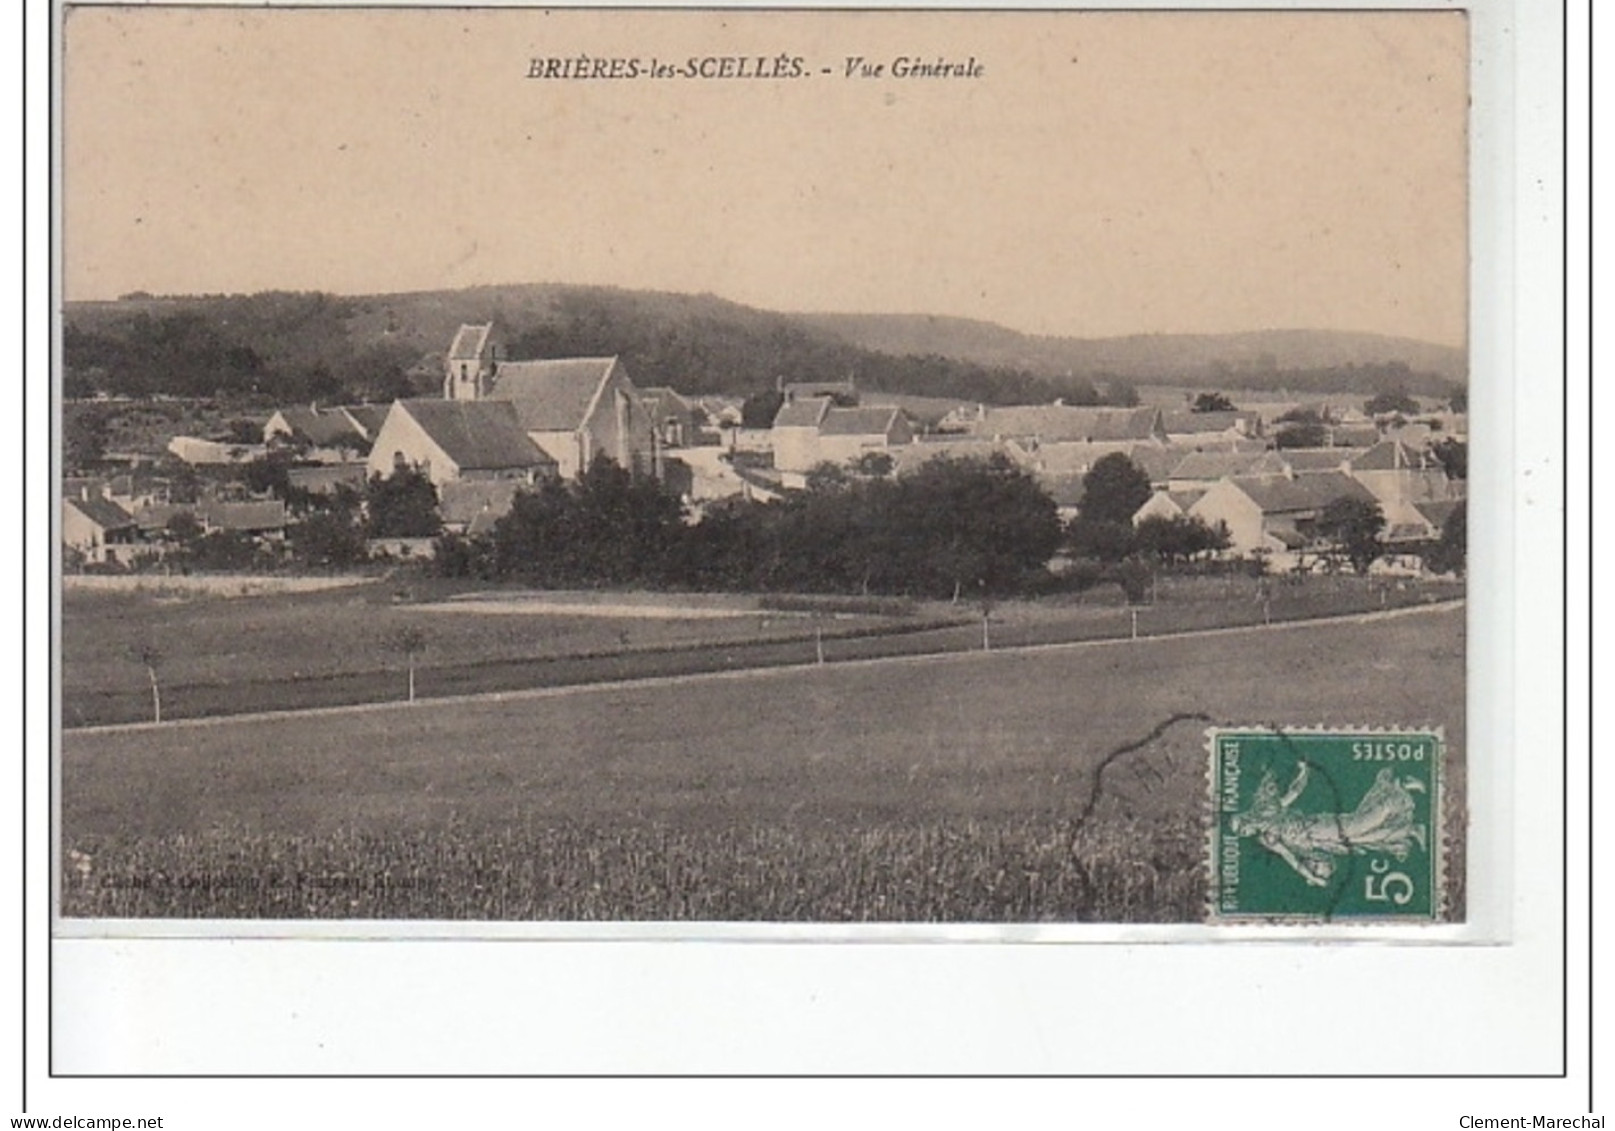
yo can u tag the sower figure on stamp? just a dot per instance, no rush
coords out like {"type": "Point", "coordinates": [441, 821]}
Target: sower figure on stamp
{"type": "Point", "coordinates": [1308, 842]}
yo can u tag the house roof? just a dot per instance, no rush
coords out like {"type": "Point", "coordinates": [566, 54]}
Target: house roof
{"type": "Point", "coordinates": [269, 515]}
{"type": "Point", "coordinates": [320, 427]}
{"type": "Point", "coordinates": [1057, 422]}
{"type": "Point", "coordinates": [1211, 466]}
{"type": "Point", "coordinates": [77, 486]}
{"type": "Point", "coordinates": [555, 395]}
{"type": "Point", "coordinates": [1180, 500]}
{"type": "Point", "coordinates": [910, 456]}
{"type": "Point", "coordinates": [462, 501]}
{"type": "Point", "coordinates": [1155, 462]}
{"type": "Point", "coordinates": [1309, 493]}
{"type": "Point", "coordinates": [469, 341]}
{"type": "Point", "coordinates": [876, 420]}
{"type": "Point", "coordinates": [802, 413]}
{"type": "Point", "coordinates": [1354, 435]}
{"type": "Point", "coordinates": [476, 435]}
{"type": "Point", "coordinates": [105, 513]}
{"type": "Point", "coordinates": [1068, 457]}
{"type": "Point", "coordinates": [1390, 455]}
{"type": "Point", "coordinates": [1437, 511]}
{"type": "Point", "coordinates": [155, 516]}
{"type": "Point", "coordinates": [367, 418]}
{"type": "Point", "coordinates": [325, 478]}
{"type": "Point", "coordinates": [1302, 460]}
{"type": "Point", "coordinates": [660, 400]}
{"type": "Point", "coordinates": [1187, 422]}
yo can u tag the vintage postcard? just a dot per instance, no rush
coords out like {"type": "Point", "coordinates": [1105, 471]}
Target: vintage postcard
{"type": "Point", "coordinates": [524, 468]}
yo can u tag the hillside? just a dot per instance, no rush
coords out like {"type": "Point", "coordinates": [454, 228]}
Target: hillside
{"type": "Point", "coordinates": [280, 346]}
{"type": "Point", "coordinates": [1153, 358]}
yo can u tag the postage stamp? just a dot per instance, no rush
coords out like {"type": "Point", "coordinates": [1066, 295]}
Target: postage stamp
{"type": "Point", "coordinates": [1326, 824]}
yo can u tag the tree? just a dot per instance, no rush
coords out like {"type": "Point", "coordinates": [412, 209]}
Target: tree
{"type": "Point", "coordinates": [1101, 540]}
{"type": "Point", "coordinates": [608, 528]}
{"type": "Point", "coordinates": [84, 437]}
{"type": "Point", "coordinates": [827, 476]}
{"type": "Point", "coordinates": [1454, 456]}
{"type": "Point", "coordinates": [874, 465]}
{"type": "Point", "coordinates": [182, 528]}
{"type": "Point", "coordinates": [1451, 552]}
{"type": "Point", "coordinates": [1212, 402]}
{"type": "Point", "coordinates": [1179, 538]}
{"type": "Point", "coordinates": [1354, 526]}
{"type": "Point", "coordinates": [456, 555]}
{"type": "Point", "coordinates": [1459, 401]}
{"type": "Point", "coordinates": [1122, 393]}
{"type": "Point", "coordinates": [410, 641]}
{"type": "Point", "coordinates": [403, 505]}
{"type": "Point", "coordinates": [1391, 401]}
{"type": "Point", "coordinates": [1302, 435]}
{"type": "Point", "coordinates": [759, 409]}
{"type": "Point", "coordinates": [1113, 490]}
{"type": "Point", "coordinates": [328, 540]}
{"type": "Point", "coordinates": [1303, 415]}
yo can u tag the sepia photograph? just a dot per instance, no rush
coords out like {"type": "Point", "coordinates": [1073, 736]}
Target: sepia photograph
{"type": "Point", "coordinates": [692, 467]}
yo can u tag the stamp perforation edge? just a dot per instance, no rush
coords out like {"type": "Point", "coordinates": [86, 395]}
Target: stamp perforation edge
{"type": "Point", "coordinates": [1444, 830]}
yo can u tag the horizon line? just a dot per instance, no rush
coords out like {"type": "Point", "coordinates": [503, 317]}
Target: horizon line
{"type": "Point", "coordinates": [141, 295]}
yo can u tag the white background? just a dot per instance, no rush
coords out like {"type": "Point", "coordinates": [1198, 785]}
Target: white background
{"type": "Point", "coordinates": [527, 1007]}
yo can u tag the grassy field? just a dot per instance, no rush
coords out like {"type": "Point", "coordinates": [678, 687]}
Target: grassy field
{"type": "Point", "coordinates": [963, 787]}
{"type": "Point", "coordinates": [283, 651]}
{"type": "Point", "coordinates": [279, 651]}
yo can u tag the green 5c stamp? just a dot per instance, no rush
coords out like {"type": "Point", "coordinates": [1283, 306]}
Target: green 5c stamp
{"type": "Point", "coordinates": [1319, 825]}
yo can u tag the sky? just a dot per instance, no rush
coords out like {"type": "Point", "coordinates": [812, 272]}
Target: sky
{"type": "Point", "coordinates": [1103, 173]}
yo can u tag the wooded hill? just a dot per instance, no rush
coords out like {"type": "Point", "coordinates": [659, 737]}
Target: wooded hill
{"type": "Point", "coordinates": [290, 347]}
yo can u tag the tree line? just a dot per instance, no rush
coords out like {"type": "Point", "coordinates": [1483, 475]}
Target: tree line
{"type": "Point", "coordinates": [949, 529]}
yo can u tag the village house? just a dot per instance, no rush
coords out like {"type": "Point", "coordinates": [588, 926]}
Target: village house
{"type": "Point", "coordinates": [262, 519]}
{"type": "Point", "coordinates": [1169, 504]}
{"type": "Point", "coordinates": [1396, 473]}
{"type": "Point", "coordinates": [100, 530]}
{"type": "Point", "coordinates": [366, 419]}
{"type": "Point", "coordinates": [325, 479]}
{"type": "Point", "coordinates": [722, 413]}
{"type": "Point", "coordinates": [216, 453]}
{"type": "Point", "coordinates": [1199, 470]}
{"type": "Point", "coordinates": [945, 446]}
{"type": "Point", "coordinates": [575, 409]}
{"type": "Point", "coordinates": [815, 430]}
{"type": "Point", "coordinates": [470, 507]}
{"type": "Point", "coordinates": [453, 439]}
{"type": "Point", "coordinates": [1185, 424]}
{"type": "Point", "coordinates": [1034, 425]}
{"type": "Point", "coordinates": [795, 435]}
{"type": "Point", "coordinates": [1273, 514]}
{"type": "Point", "coordinates": [328, 435]}
{"type": "Point", "coordinates": [676, 419]}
